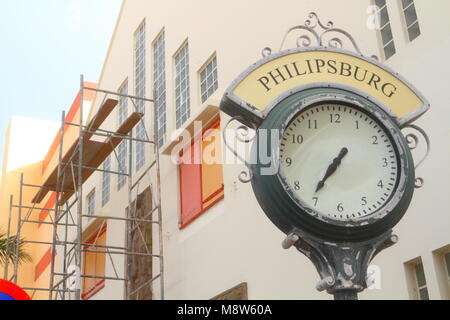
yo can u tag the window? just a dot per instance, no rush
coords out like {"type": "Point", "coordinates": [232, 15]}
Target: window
{"type": "Point", "coordinates": [447, 266]}
{"type": "Point", "coordinates": [421, 283]}
{"type": "Point", "coordinates": [94, 263]}
{"type": "Point", "coordinates": [411, 21]}
{"type": "Point", "coordinates": [91, 203]}
{"type": "Point", "coordinates": [122, 153]}
{"type": "Point", "coordinates": [139, 42]}
{"type": "Point", "coordinates": [106, 181]}
{"type": "Point", "coordinates": [387, 38]}
{"type": "Point", "coordinates": [159, 84]}
{"type": "Point", "coordinates": [201, 176]}
{"type": "Point", "coordinates": [122, 164]}
{"type": "Point", "coordinates": [441, 259]}
{"type": "Point", "coordinates": [182, 87]}
{"type": "Point", "coordinates": [208, 79]}
{"type": "Point", "coordinates": [123, 103]}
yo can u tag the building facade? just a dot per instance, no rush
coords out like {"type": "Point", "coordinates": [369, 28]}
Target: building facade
{"type": "Point", "coordinates": [217, 242]}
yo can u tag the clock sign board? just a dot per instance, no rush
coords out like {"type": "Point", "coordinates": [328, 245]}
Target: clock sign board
{"type": "Point", "coordinates": [263, 85]}
{"type": "Point", "coordinates": [340, 173]}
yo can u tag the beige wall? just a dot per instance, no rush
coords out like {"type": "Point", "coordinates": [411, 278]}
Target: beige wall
{"type": "Point", "coordinates": [27, 141]}
{"type": "Point", "coordinates": [234, 242]}
{"type": "Point", "coordinates": [426, 226]}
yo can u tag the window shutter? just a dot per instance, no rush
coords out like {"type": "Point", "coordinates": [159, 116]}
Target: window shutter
{"type": "Point", "coordinates": [212, 171]}
{"type": "Point", "coordinates": [190, 182]}
{"type": "Point", "coordinates": [89, 269]}
{"type": "Point", "coordinates": [94, 263]}
{"type": "Point", "coordinates": [100, 261]}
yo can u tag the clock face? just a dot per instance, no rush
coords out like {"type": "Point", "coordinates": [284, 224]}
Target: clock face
{"type": "Point", "coordinates": [339, 161]}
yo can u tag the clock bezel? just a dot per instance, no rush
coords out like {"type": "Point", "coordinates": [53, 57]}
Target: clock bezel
{"type": "Point", "coordinates": [356, 221]}
{"type": "Point", "coordinates": [290, 211]}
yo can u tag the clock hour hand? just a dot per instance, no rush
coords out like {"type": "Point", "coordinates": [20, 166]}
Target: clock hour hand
{"type": "Point", "coordinates": [332, 168]}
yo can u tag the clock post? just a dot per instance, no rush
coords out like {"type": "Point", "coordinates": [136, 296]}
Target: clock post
{"type": "Point", "coordinates": [330, 165]}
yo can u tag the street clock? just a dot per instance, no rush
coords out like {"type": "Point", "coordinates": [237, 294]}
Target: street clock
{"type": "Point", "coordinates": [345, 169]}
{"type": "Point", "coordinates": [330, 165]}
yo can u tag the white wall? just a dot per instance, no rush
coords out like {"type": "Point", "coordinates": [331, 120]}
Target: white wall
{"type": "Point", "coordinates": [234, 242]}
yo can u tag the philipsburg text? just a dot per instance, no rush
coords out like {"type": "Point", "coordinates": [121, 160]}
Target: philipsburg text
{"type": "Point", "coordinates": [333, 67]}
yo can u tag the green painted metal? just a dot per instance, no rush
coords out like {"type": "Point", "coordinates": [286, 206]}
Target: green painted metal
{"type": "Point", "coordinates": [289, 213]}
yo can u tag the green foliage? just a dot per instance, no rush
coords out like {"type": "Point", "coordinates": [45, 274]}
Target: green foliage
{"type": "Point", "coordinates": [10, 257]}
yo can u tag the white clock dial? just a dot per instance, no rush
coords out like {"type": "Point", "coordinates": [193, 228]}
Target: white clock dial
{"type": "Point", "coordinates": [339, 161]}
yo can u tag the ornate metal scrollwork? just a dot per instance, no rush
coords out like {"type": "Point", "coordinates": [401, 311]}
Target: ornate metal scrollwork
{"type": "Point", "coordinates": [315, 33]}
{"type": "Point", "coordinates": [413, 142]}
{"type": "Point", "coordinates": [242, 134]}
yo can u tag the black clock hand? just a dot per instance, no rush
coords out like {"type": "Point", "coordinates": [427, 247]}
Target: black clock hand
{"type": "Point", "coordinates": [332, 168]}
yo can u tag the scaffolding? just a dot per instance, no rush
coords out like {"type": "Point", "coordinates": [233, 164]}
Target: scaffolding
{"type": "Point", "coordinates": [74, 167]}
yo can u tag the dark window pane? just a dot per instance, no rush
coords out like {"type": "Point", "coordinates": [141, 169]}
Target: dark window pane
{"type": "Point", "coordinates": [386, 34]}
{"type": "Point", "coordinates": [389, 50]}
{"type": "Point", "coordinates": [406, 3]}
{"type": "Point", "coordinates": [384, 17]}
{"type": "Point", "coordinates": [414, 31]}
{"type": "Point", "coordinates": [420, 274]}
{"type": "Point", "coordinates": [447, 262]}
{"type": "Point", "coordinates": [423, 294]}
{"type": "Point", "coordinates": [380, 3]}
{"type": "Point", "coordinates": [410, 15]}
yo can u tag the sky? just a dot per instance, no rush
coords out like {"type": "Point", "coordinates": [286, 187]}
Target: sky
{"type": "Point", "coordinates": [44, 47]}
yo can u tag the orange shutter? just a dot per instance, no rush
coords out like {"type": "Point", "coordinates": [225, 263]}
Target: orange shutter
{"type": "Point", "coordinates": [100, 261]}
{"type": "Point", "coordinates": [190, 184]}
{"type": "Point", "coordinates": [94, 264]}
{"type": "Point", "coordinates": [212, 171]}
{"type": "Point", "coordinates": [89, 270]}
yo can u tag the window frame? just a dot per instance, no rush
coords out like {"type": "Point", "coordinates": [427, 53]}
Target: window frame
{"type": "Point", "coordinates": [419, 287]}
{"type": "Point", "coordinates": [89, 197]}
{"type": "Point", "coordinates": [447, 267]}
{"type": "Point", "coordinates": [160, 74]}
{"type": "Point", "coordinates": [122, 112]}
{"type": "Point", "coordinates": [122, 164]}
{"type": "Point", "coordinates": [408, 27]}
{"type": "Point", "coordinates": [106, 176]}
{"type": "Point", "coordinates": [183, 224]}
{"type": "Point", "coordinates": [179, 106]}
{"type": "Point", "coordinates": [388, 24]}
{"type": "Point", "coordinates": [140, 88]}
{"type": "Point", "coordinates": [204, 96]}
{"type": "Point", "coordinates": [123, 108]}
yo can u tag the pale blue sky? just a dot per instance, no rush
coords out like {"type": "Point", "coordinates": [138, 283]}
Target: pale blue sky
{"type": "Point", "coordinates": [44, 47]}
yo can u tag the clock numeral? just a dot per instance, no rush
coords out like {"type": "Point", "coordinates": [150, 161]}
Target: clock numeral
{"type": "Point", "coordinates": [316, 200]}
{"type": "Point", "coordinates": [297, 185]}
{"type": "Point", "coordinates": [385, 162]}
{"type": "Point", "coordinates": [357, 125]}
{"type": "Point", "coordinates": [364, 201]}
{"type": "Point", "coordinates": [335, 118]}
{"type": "Point", "coordinates": [289, 162]}
{"type": "Point", "coordinates": [297, 139]}
{"type": "Point", "coordinates": [375, 140]}
{"type": "Point", "coordinates": [312, 124]}
{"type": "Point", "coordinates": [380, 184]}
{"type": "Point", "coordinates": [340, 207]}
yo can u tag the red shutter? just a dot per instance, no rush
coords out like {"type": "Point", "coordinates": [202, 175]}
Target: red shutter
{"type": "Point", "coordinates": [190, 184]}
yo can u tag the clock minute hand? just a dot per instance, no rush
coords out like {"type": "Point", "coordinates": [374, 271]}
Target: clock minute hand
{"type": "Point", "coordinates": [332, 168]}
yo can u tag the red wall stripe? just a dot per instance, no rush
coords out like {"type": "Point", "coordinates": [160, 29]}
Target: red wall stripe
{"type": "Point", "coordinates": [49, 205]}
{"type": "Point", "coordinates": [43, 264]}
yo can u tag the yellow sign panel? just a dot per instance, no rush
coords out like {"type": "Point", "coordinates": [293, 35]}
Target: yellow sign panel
{"type": "Point", "coordinates": [279, 75]}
